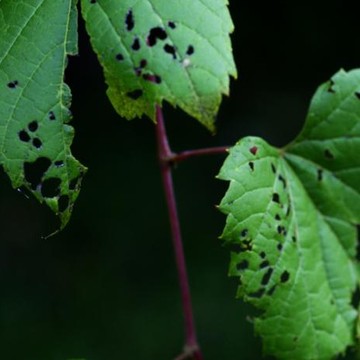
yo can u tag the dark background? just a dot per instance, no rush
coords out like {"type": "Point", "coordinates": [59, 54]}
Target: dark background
{"type": "Point", "coordinates": [106, 286]}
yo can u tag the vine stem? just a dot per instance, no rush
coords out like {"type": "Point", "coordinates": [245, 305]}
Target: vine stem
{"type": "Point", "coordinates": [191, 348]}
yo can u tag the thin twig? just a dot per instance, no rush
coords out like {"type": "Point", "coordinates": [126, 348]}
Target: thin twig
{"type": "Point", "coordinates": [184, 155]}
{"type": "Point", "coordinates": [191, 349]}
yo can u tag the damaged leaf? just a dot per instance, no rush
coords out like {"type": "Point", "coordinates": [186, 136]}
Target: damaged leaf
{"type": "Point", "coordinates": [36, 38]}
{"type": "Point", "coordinates": [291, 222]}
{"type": "Point", "coordinates": [154, 50]}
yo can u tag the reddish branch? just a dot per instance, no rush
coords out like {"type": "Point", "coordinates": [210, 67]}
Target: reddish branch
{"type": "Point", "coordinates": [167, 158]}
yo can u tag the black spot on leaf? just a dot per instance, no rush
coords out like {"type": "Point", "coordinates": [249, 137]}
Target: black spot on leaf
{"type": "Point", "coordinates": [273, 168]}
{"type": "Point", "coordinates": [136, 44]}
{"type": "Point", "coordinates": [328, 154]}
{"type": "Point", "coordinates": [251, 165]}
{"type": "Point", "coordinates": [171, 25]}
{"type": "Point", "coordinates": [276, 198]}
{"type": "Point", "coordinates": [52, 116]}
{"type": "Point", "coordinates": [119, 57]}
{"type": "Point", "coordinates": [265, 279]}
{"type": "Point", "coordinates": [33, 126]}
{"type": "Point", "coordinates": [92, 1]}
{"type": "Point", "coordinates": [143, 63]}
{"type": "Point", "coordinates": [288, 210]}
{"type": "Point", "coordinates": [281, 230]}
{"type": "Point", "coordinates": [277, 217]}
{"type": "Point", "coordinates": [355, 300]}
{"type": "Point", "coordinates": [282, 179]}
{"type": "Point", "coordinates": [129, 20]}
{"type": "Point", "coordinates": [264, 264]}
{"type": "Point", "coordinates": [242, 265]}
{"type": "Point", "coordinates": [294, 238]}
{"type": "Point", "coordinates": [257, 294]}
{"type": "Point", "coordinates": [156, 33]}
{"type": "Point", "coordinates": [271, 291]}
{"type": "Point", "coordinates": [135, 94]}
{"type": "Point", "coordinates": [262, 255]}
{"type": "Point", "coordinates": [284, 276]}
{"type": "Point", "coordinates": [253, 150]}
{"type": "Point", "coordinates": [34, 171]}
{"type": "Point", "coordinates": [190, 50]}
{"type": "Point", "coordinates": [156, 79]}
{"type": "Point", "coordinates": [170, 50]}
{"type": "Point", "coordinates": [63, 203]}
{"type": "Point", "coordinates": [357, 94]}
{"type": "Point", "coordinates": [24, 136]}
{"type": "Point", "coordinates": [319, 174]}
{"type": "Point", "coordinates": [279, 246]}
{"type": "Point", "coordinates": [13, 84]}
{"type": "Point", "coordinates": [37, 143]}
{"type": "Point", "coordinates": [50, 187]}
{"type": "Point", "coordinates": [58, 163]}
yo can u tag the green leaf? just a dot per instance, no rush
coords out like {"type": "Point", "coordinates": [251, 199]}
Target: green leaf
{"type": "Point", "coordinates": [36, 37]}
{"type": "Point", "coordinates": [152, 50]}
{"type": "Point", "coordinates": [292, 216]}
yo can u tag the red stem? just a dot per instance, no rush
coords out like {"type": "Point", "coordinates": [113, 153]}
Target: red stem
{"type": "Point", "coordinates": [191, 349]}
{"type": "Point", "coordinates": [184, 155]}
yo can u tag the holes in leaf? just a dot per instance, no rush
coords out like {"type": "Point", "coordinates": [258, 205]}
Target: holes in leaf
{"type": "Point", "coordinates": [52, 116]}
{"type": "Point", "coordinates": [244, 232]}
{"type": "Point", "coordinates": [279, 246]}
{"type": "Point", "coordinates": [328, 154]}
{"type": "Point", "coordinates": [136, 44]}
{"type": "Point", "coordinates": [33, 126]}
{"type": "Point", "coordinates": [92, 1]}
{"type": "Point", "coordinates": [276, 198]}
{"type": "Point", "coordinates": [59, 163]}
{"type": "Point", "coordinates": [242, 265]}
{"type": "Point", "coordinates": [170, 50]}
{"type": "Point", "coordinates": [135, 94]}
{"type": "Point", "coordinates": [330, 88]}
{"type": "Point", "coordinates": [257, 294]}
{"type": "Point", "coordinates": [13, 84]}
{"type": "Point", "coordinates": [262, 255]}
{"type": "Point", "coordinates": [319, 174]}
{"type": "Point", "coordinates": [156, 33]}
{"type": "Point", "coordinates": [37, 143]}
{"type": "Point", "coordinates": [190, 50]}
{"type": "Point", "coordinates": [34, 171]}
{"type": "Point", "coordinates": [251, 165]}
{"type": "Point", "coordinates": [50, 187]}
{"type": "Point", "coordinates": [264, 264]}
{"type": "Point", "coordinates": [143, 63]}
{"type": "Point", "coordinates": [73, 183]}
{"type": "Point", "coordinates": [171, 24]}
{"type": "Point", "coordinates": [357, 94]}
{"type": "Point", "coordinates": [253, 150]}
{"type": "Point", "coordinates": [277, 217]}
{"type": "Point", "coordinates": [285, 276]}
{"type": "Point", "coordinates": [129, 20]}
{"type": "Point", "coordinates": [63, 203]}
{"type": "Point", "coordinates": [273, 168]}
{"type": "Point", "coordinates": [265, 279]}
{"type": "Point", "coordinates": [24, 136]}
{"type": "Point", "coordinates": [119, 57]}
{"type": "Point", "coordinates": [281, 230]}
